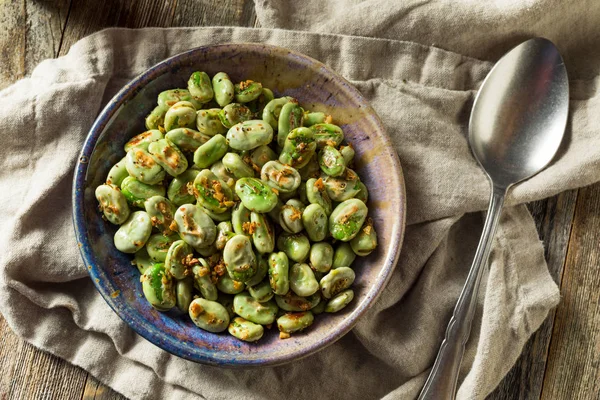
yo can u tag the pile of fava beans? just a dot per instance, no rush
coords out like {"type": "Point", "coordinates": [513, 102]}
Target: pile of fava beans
{"type": "Point", "coordinates": [241, 209]}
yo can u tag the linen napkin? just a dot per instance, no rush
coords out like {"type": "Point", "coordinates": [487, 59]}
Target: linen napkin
{"type": "Point", "coordinates": [423, 95]}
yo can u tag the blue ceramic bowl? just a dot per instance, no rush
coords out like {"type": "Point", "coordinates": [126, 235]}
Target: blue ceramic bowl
{"type": "Point", "coordinates": [287, 73]}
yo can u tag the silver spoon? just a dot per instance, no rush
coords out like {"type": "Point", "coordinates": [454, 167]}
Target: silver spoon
{"type": "Point", "coordinates": [516, 126]}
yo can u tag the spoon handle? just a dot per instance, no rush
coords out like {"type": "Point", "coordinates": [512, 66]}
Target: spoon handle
{"type": "Point", "coordinates": [441, 383]}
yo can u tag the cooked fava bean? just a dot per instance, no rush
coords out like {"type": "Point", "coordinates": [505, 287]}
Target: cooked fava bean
{"type": "Point", "coordinates": [134, 233]}
{"type": "Point", "coordinates": [348, 153]}
{"type": "Point", "coordinates": [142, 260]}
{"type": "Point", "coordinates": [295, 246]}
{"type": "Point", "coordinates": [290, 218]}
{"type": "Point", "coordinates": [158, 246]}
{"type": "Point", "coordinates": [245, 330]}
{"type": "Point", "coordinates": [262, 155]}
{"type": "Point", "coordinates": [184, 292]}
{"type": "Point", "coordinates": [263, 234]}
{"type": "Point", "coordinates": [209, 123]}
{"type": "Point", "coordinates": [224, 216]}
{"type": "Point", "coordinates": [137, 192]}
{"type": "Point", "coordinates": [339, 301]}
{"type": "Point", "coordinates": [161, 212]}
{"type": "Point", "coordinates": [240, 219]}
{"type": "Point", "coordinates": [257, 105]}
{"type": "Point", "coordinates": [195, 227]}
{"type": "Point", "coordinates": [249, 134]}
{"type": "Point", "coordinates": [290, 118]}
{"type": "Point", "coordinates": [299, 147]}
{"type": "Point", "coordinates": [224, 233]}
{"type": "Point", "coordinates": [179, 188]}
{"type": "Point", "coordinates": [112, 203]}
{"type": "Point", "coordinates": [295, 322]}
{"type": "Point", "coordinates": [239, 258]}
{"type": "Point", "coordinates": [262, 292]}
{"type": "Point", "coordinates": [331, 161]}
{"type": "Point", "coordinates": [293, 302]}
{"type": "Point", "coordinates": [347, 219]}
{"type": "Point", "coordinates": [327, 134]}
{"type": "Point", "coordinates": [200, 87]}
{"type": "Point", "coordinates": [223, 89]}
{"type": "Point", "coordinates": [315, 222]}
{"type": "Point", "coordinates": [227, 285]}
{"type": "Point", "coordinates": [203, 281]}
{"type": "Point", "coordinates": [344, 256]}
{"type": "Point", "coordinates": [223, 174]}
{"type": "Point", "coordinates": [321, 256]}
{"type": "Point", "coordinates": [247, 91]}
{"type": "Point", "coordinates": [209, 315]}
{"type": "Point", "coordinates": [212, 193]}
{"type": "Point", "coordinates": [251, 309]}
{"type": "Point", "coordinates": [142, 166]}
{"type": "Point", "coordinates": [302, 280]}
{"type": "Point", "coordinates": [169, 98]}
{"type": "Point", "coordinates": [143, 139]}
{"type": "Point", "coordinates": [187, 139]}
{"type": "Point", "coordinates": [363, 194]}
{"type": "Point", "coordinates": [117, 173]}
{"type": "Point", "coordinates": [281, 177]}
{"type": "Point", "coordinates": [236, 165]}
{"type": "Point", "coordinates": [226, 300]}
{"type": "Point", "coordinates": [211, 151]}
{"type": "Point", "coordinates": [336, 280]}
{"type": "Point", "coordinates": [156, 118]}
{"type": "Point", "coordinates": [313, 118]}
{"type": "Point", "coordinates": [262, 267]}
{"type": "Point", "coordinates": [319, 308]}
{"type": "Point", "coordinates": [179, 259]}
{"type": "Point", "coordinates": [233, 114]}
{"type": "Point", "coordinates": [181, 115]}
{"type": "Point", "coordinates": [317, 194]}
{"type": "Point", "coordinates": [343, 187]}
{"type": "Point", "coordinates": [273, 109]}
{"type": "Point", "coordinates": [366, 240]}
{"type": "Point", "coordinates": [279, 273]}
{"type": "Point", "coordinates": [168, 156]}
{"type": "Point", "coordinates": [158, 287]}
{"type": "Point", "coordinates": [311, 169]}
{"type": "Point", "coordinates": [255, 195]}
{"type": "Point", "coordinates": [274, 213]}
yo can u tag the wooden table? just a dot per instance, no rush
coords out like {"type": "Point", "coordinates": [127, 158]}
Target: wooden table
{"type": "Point", "coordinates": [561, 361]}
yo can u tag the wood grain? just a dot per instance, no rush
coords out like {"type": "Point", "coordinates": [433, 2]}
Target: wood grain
{"type": "Point", "coordinates": [573, 370]}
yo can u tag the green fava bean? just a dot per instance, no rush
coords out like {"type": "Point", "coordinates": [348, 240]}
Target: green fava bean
{"type": "Point", "coordinates": [281, 177]}
{"type": "Point", "coordinates": [295, 246]}
{"type": "Point", "coordinates": [209, 315]}
{"type": "Point", "coordinates": [249, 135]}
{"type": "Point", "coordinates": [249, 308]}
{"type": "Point", "coordinates": [257, 105]}
{"type": "Point", "coordinates": [262, 267]}
{"type": "Point", "coordinates": [211, 151]}
{"type": "Point", "coordinates": [209, 123]}
{"type": "Point", "coordinates": [240, 219]}
{"type": "Point", "coordinates": [227, 285]}
{"type": "Point", "coordinates": [223, 174]}
{"type": "Point", "coordinates": [311, 169]}
{"type": "Point", "coordinates": [363, 194]}
{"type": "Point", "coordinates": [343, 187]}
{"type": "Point", "coordinates": [336, 280]}
{"type": "Point", "coordinates": [212, 193]}
{"type": "Point", "coordinates": [208, 251]}
{"type": "Point", "coordinates": [279, 273]}
{"type": "Point", "coordinates": [224, 216]}
{"type": "Point", "coordinates": [347, 219]}
{"type": "Point", "coordinates": [134, 233]}
{"type": "Point", "coordinates": [178, 258]}
{"type": "Point", "coordinates": [313, 118]}
{"type": "Point", "coordinates": [302, 280]}
{"type": "Point", "coordinates": [158, 246]}
{"type": "Point", "coordinates": [223, 89]}
{"type": "Point", "coordinates": [224, 233]}
{"type": "Point", "coordinates": [200, 87]}
{"type": "Point", "coordinates": [293, 302]}
{"type": "Point", "coordinates": [340, 301]}
{"type": "Point", "coordinates": [239, 258]}
{"type": "Point", "coordinates": [315, 222]}
{"type": "Point", "coordinates": [236, 165]}
{"type": "Point", "coordinates": [203, 281]}
{"type": "Point", "coordinates": [178, 191]}
{"type": "Point", "coordinates": [187, 139]}
{"type": "Point", "coordinates": [327, 134]}
{"type": "Point", "coordinates": [262, 155]}
{"type": "Point", "coordinates": [344, 256]}
{"type": "Point", "coordinates": [321, 256]}
{"type": "Point", "coordinates": [117, 173]}
{"type": "Point", "coordinates": [195, 227]}
{"type": "Point", "coordinates": [331, 161]}
{"type": "Point", "coordinates": [274, 213]}
{"type": "Point", "coordinates": [272, 110]}
{"type": "Point", "coordinates": [168, 156]}
{"type": "Point", "coordinates": [295, 322]}
{"type": "Point", "coordinates": [255, 195]}
{"type": "Point", "coordinates": [233, 114]}
{"type": "Point", "coordinates": [113, 204]}
{"type": "Point", "coordinates": [247, 91]}
{"type": "Point", "coordinates": [290, 118]}
{"type": "Point", "coordinates": [226, 300]}
{"type": "Point", "coordinates": [263, 235]}
{"type": "Point", "coordinates": [319, 308]}
{"type": "Point", "coordinates": [262, 292]}
{"type": "Point", "coordinates": [143, 140]}
{"type": "Point", "coordinates": [156, 118]}
{"type": "Point", "coordinates": [161, 212]}
{"type": "Point", "coordinates": [142, 166]}
{"type": "Point", "coordinates": [366, 240]}
{"type": "Point", "coordinates": [168, 98]}
{"type": "Point", "coordinates": [348, 153]}
{"type": "Point", "coordinates": [299, 147]}
{"type": "Point", "coordinates": [290, 219]}
{"type": "Point", "coordinates": [142, 260]}
{"type": "Point", "coordinates": [181, 115]}
{"type": "Point", "coordinates": [158, 288]}
{"type": "Point", "coordinates": [245, 330]}
{"type": "Point", "coordinates": [184, 292]}
{"type": "Point", "coordinates": [317, 194]}
{"type": "Point", "coordinates": [137, 192]}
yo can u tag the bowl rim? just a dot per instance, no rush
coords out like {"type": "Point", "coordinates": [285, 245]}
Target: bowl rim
{"type": "Point", "coordinates": [96, 272]}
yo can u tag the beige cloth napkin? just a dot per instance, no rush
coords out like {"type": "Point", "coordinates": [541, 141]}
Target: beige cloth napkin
{"type": "Point", "coordinates": [423, 95]}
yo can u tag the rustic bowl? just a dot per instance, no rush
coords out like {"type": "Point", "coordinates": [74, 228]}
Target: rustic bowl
{"type": "Point", "coordinates": [287, 73]}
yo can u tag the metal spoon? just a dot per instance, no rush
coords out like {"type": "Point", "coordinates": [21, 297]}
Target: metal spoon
{"type": "Point", "coordinates": [516, 126]}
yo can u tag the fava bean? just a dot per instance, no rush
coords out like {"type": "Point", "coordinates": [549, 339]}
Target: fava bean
{"type": "Point", "coordinates": [195, 227]}
{"type": "Point", "coordinates": [234, 113]}
{"type": "Point", "coordinates": [336, 280]}
{"type": "Point", "coordinates": [134, 233]}
{"type": "Point", "coordinates": [209, 315]}
{"type": "Point", "coordinates": [158, 288]}
{"type": "Point", "coordinates": [331, 161]}
{"type": "Point", "coordinates": [227, 285]}
{"type": "Point", "coordinates": [290, 219]}
{"type": "Point", "coordinates": [315, 222]}
{"type": "Point", "coordinates": [223, 89]}
{"type": "Point", "coordinates": [143, 140]}
{"type": "Point", "coordinates": [283, 178]}
{"type": "Point", "coordinates": [187, 139]}
{"type": "Point", "coordinates": [142, 260]}
{"type": "Point", "coordinates": [263, 234]}
{"type": "Point", "coordinates": [169, 98]}
{"type": "Point", "coordinates": [239, 258]}
{"type": "Point", "coordinates": [299, 147]}
{"type": "Point", "coordinates": [262, 267]}
{"type": "Point", "coordinates": [363, 194]}
{"type": "Point", "coordinates": [339, 301]}
{"type": "Point", "coordinates": [295, 322]}
{"type": "Point", "coordinates": [221, 172]}
{"type": "Point", "coordinates": [313, 118]}
{"type": "Point", "coordinates": [179, 188]}
{"type": "Point", "coordinates": [211, 151]}
{"type": "Point", "coordinates": [200, 87]}
{"type": "Point", "coordinates": [293, 302]}
{"type": "Point", "coordinates": [247, 91]}
{"type": "Point", "coordinates": [279, 273]}
{"type": "Point", "coordinates": [224, 233]}
{"type": "Point", "coordinates": [178, 259]}
{"type": "Point", "coordinates": [142, 166]}
{"type": "Point", "coordinates": [112, 203]}
{"type": "Point", "coordinates": [347, 153]}
{"type": "Point", "coordinates": [181, 115]}
{"type": "Point", "coordinates": [366, 240]}
{"type": "Point", "coordinates": [240, 219]}
{"type": "Point", "coordinates": [295, 246]}
{"type": "Point", "coordinates": [249, 134]}
{"type": "Point", "coordinates": [117, 173]}
{"type": "Point", "coordinates": [236, 165]}
{"type": "Point", "coordinates": [158, 245]}
{"type": "Point", "coordinates": [327, 134]}
{"type": "Point", "coordinates": [212, 193]}
{"type": "Point", "coordinates": [137, 192]}
{"type": "Point", "coordinates": [168, 156]}
{"type": "Point", "coordinates": [311, 169]}
{"type": "Point", "coordinates": [245, 330]}
{"type": "Point", "coordinates": [317, 194]}
{"type": "Point", "coordinates": [290, 118]}
{"type": "Point", "coordinates": [262, 292]}
{"type": "Point", "coordinates": [302, 280]}
{"type": "Point", "coordinates": [203, 281]}
{"type": "Point", "coordinates": [156, 118]}
{"type": "Point", "coordinates": [343, 187]}
{"type": "Point", "coordinates": [251, 309]}
{"type": "Point", "coordinates": [344, 256]}
{"type": "Point", "coordinates": [183, 290]}
{"type": "Point", "coordinates": [209, 123]}
{"type": "Point", "coordinates": [261, 155]}
{"type": "Point", "coordinates": [347, 219]}
{"type": "Point", "coordinates": [273, 109]}
{"type": "Point", "coordinates": [321, 256]}
{"type": "Point", "coordinates": [255, 195]}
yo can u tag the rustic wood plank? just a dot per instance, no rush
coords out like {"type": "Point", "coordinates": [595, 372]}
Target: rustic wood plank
{"type": "Point", "coordinates": [94, 390]}
{"type": "Point", "coordinates": [573, 370]}
{"type": "Point", "coordinates": [215, 13]}
{"type": "Point", "coordinates": [553, 218]}
{"type": "Point", "coordinates": [12, 41]}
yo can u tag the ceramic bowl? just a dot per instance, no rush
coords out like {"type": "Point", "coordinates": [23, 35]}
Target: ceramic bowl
{"type": "Point", "coordinates": [317, 88]}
